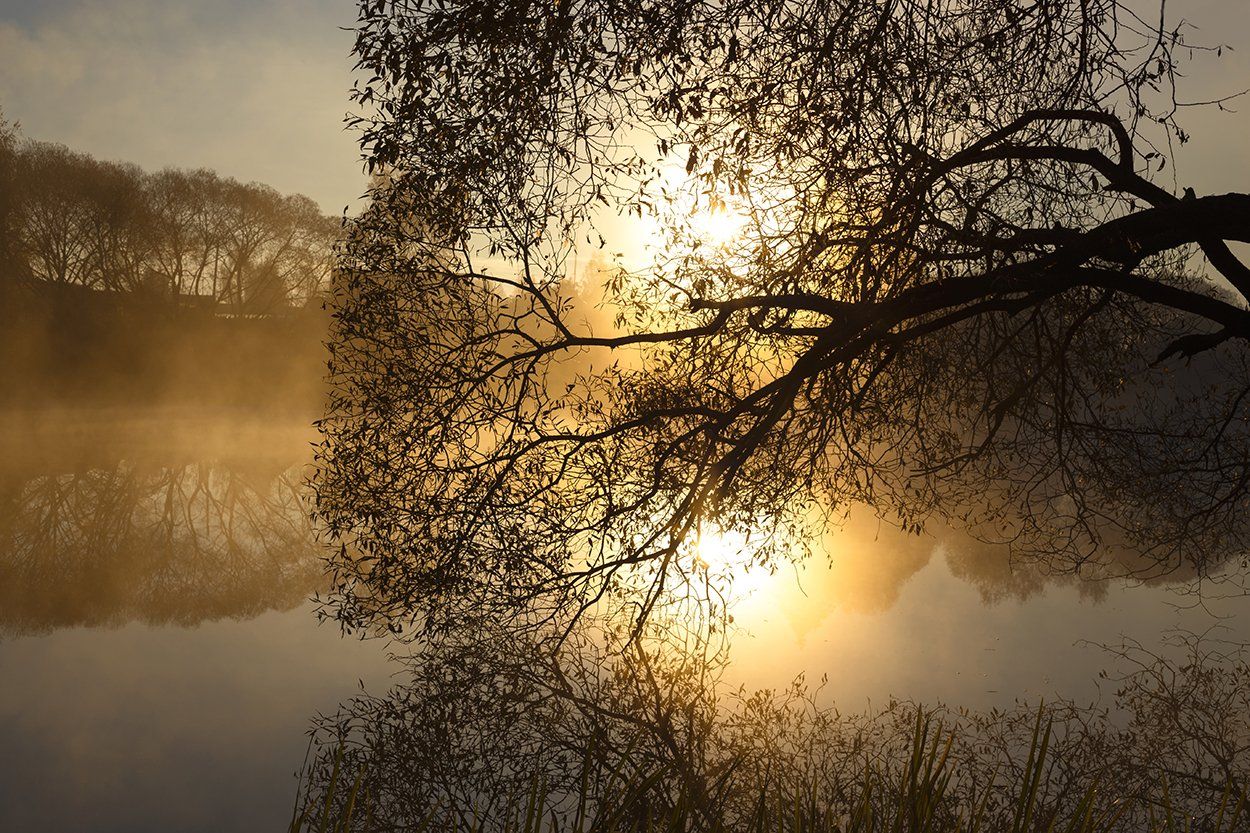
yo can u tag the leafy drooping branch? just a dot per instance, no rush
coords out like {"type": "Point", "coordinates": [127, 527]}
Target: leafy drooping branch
{"type": "Point", "coordinates": [957, 291]}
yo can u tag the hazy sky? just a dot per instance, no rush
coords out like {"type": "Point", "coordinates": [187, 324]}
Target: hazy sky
{"type": "Point", "coordinates": [255, 89]}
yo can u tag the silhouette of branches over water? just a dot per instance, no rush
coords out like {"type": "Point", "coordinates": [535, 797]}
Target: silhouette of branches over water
{"type": "Point", "coordinates": [477, 729]}
{"type": "Point", "coordinates": [959, 294]}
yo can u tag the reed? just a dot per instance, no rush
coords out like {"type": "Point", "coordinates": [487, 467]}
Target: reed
{"type": "Point", "coordinates": [913, 798]}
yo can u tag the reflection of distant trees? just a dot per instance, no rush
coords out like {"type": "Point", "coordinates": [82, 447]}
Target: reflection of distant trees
{"type": "Point", "coordinates": [868, 563]}
{"type": "Point", "coordinates": [179, 544]}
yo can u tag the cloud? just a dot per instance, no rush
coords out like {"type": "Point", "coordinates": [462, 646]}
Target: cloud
{"type": "Point", "coordinates": [254, 90]}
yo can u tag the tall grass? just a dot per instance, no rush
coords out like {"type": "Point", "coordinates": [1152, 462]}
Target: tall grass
{"type": "Point", "coordinates": [913, 798]}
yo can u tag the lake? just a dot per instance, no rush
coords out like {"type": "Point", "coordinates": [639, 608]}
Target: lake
{"type": "Point", "coordinates": [162, 660]}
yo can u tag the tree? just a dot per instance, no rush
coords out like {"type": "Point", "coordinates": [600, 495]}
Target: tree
{"type": "Point", "coordinates": [954, 290]}
{"type": "Point", "coordinates": [8, 205]}
{"type": "Point", "coordinates": [52, 210]}
{"type": "Point", "coordinates": [73, 219]}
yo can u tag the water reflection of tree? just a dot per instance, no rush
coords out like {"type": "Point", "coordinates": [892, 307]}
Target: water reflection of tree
{"type": "Point", "coordinates": [179, 544]}
{"type": "Point", "coordinates": [958, 297]}
{"type": "Point", "coordinates": [479, 719]}
{"type": "Point", "coordinates": [477, 727]}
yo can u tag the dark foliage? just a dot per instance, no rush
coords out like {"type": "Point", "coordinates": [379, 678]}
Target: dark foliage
{"type": "Point", "coordinates": [957, 294]}
{"type": "Point", "coordinates": [67, 218]}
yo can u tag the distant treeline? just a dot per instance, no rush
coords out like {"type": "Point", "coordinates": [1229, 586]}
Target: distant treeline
{"type": "Point", "coordinates": [71, 219]}
{"type": "Point", "coordinates": [121, 286]}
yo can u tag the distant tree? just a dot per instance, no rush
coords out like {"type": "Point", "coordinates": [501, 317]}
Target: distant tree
{"type": "Point", "coordinates": [52, 208]}
{"type": "Point", "coordinates": [115, 225]}
{"type": "Point", "coordinates": [184, 247]}
{"type": "Point", "coordinates": [957, 291]}
{"type": "Point", "coordinates": [78, 220]}
{"type": "Point", "coordinates": [300, 254]}
{"type": "Point", "coordinates": [8, 202]}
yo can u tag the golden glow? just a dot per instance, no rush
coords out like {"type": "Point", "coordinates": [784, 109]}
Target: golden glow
{"type": "Point", "coordinates": [727, 556]}
{"type": "Point", "coordinates": [717, 551]}
{"type": "Point", "coordinates": [719, 226]}
{"type": "Point", "coordinates": [686, 224]}
{"type": "Point", "coordinates": [683, 215]}
{"type": "Point", "coordinates": [859, 568]}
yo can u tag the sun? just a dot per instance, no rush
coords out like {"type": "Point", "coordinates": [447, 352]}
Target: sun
{"type": "Point", "coordinates": [718, 226]}
{"type": "Point", "coordinates": [717, 550]}
{"type": "Point", "coordinates": [681, 215]}
{"type": "Point", "coordinates": [727, 556]}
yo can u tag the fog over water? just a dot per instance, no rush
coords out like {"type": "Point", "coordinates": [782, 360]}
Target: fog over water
{"type": "Point", "coordinates": [159, 648]}
{"type": "Point", "coordinates": [153, 683]}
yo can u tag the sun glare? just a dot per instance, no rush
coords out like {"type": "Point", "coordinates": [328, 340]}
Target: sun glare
{"type": "Point", "coordinates": [682, 215]}
{"type": "Point", "coordinates": [728, 555]}
{"type": "Point", "coordinates": [716, 550]}
{"type": "Point", "coordinates": [718, 226]}
{"type": "Point", "coordinates": [715, 228]}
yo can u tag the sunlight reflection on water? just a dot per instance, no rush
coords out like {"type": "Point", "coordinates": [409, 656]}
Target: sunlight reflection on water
{"type": "Point", "coordinates": [222, 707]}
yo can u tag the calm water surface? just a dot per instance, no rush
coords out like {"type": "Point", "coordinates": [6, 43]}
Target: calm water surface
{"type": "Point", "coordinates": [161, 661]}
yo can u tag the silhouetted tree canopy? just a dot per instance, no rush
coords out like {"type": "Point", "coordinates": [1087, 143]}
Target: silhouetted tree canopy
{"type": "Point", "coordinates": [69, 218]}
{"type": "Point", "coordinates": [955, 287]}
